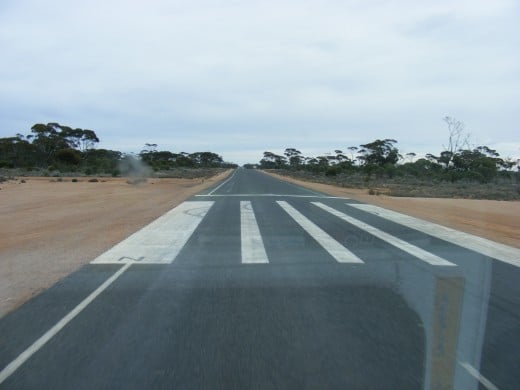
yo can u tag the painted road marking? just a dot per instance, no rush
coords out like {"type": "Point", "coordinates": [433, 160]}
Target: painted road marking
{"type": "Point", "coordinates": [221, 184]}
{"type": "Point", "coordinates": [162, 240]}
{"type": "Point", "coordinates": [421, 254]}
{"type": "Point", "coordinates": [38, 344]}
{"type": "Point", "coordinates": [477, 375]}
{"type": "Point", "coordinates": [335, 249]}
{"type": "Point", "coordinates": [493, 249]}
{"type": "Point", "coordinates": [274, 195]}
{"type": "Point", "coordinates": [253, 250]}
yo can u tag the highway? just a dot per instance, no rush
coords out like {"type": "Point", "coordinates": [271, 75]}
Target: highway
{"type": "Point", "coordinates": [261, 284]}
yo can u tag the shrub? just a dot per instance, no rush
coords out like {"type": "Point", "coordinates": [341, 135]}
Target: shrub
{"type": "Point", "coordinates": [68, 156]}
{"type": "Point", "coordinates": [331, 172]}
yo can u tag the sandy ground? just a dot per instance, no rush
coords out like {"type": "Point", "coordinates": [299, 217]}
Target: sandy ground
{"type": "Point", "coordinates": [50, 229]}
{"type": "Point", "coordinates": [496, 220]}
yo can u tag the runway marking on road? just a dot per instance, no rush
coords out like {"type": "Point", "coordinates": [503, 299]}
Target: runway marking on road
{"type": "Point", "coordinates": [38, 344]}
{"type": "Point", "coordinates": [274, 196]}
{"type": "Point", "coordinates": [162, 240]}
{"type": "Point", "coordinates": [501, 252]}
{"type": "Point", "coordinates": [421, 254]}
{"type": "Point", "coordinates": [477, 375]}
{"type": "Point", "coordinates": [253, 250]}
{"type": "Point", "coordinates": [221, 184]}
{"type": "Point", "coordinates": [335, 249]}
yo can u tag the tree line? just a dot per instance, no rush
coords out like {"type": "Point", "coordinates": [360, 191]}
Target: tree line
{"type": "Point", "coordinates": [164, 160]}
{"type": "Point", "coordinates": [382, 158]}
{"type": "Point", "coordinates": [56, 147]}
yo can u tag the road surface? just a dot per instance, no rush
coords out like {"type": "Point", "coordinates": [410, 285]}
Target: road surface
{"type": "Point", "coordinates": [260, 284]}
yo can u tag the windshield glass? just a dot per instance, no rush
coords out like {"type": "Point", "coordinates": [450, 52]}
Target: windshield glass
{"type": "Point", "coordinates": [222, 194]}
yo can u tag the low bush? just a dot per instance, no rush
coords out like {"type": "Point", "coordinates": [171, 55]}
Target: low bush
{"type": "Point", "coordinates": [504, 187]}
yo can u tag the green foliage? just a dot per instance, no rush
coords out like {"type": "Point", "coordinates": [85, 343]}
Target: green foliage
{"type": "Point", "coordinates": [68, 157]}
{"type": "Point", "coordinates": [331, 172]}
{"type": "Point", "coordinates": [165, 160]}
{"type": "Point", "coordinates": [62, 148]}
{"type": "Point", "coordinates": [380, 159]}
{"type": "Point", "coordinates": [17, 152]}
{"type": "Point", "coordinates": [101, 161]}
{"type": "Point", "coordinates": [48, 145]}
{"type": "Point", "coordinates": [273, 161]}
{"type": "Point", "coordinates": [294, 157]}
{"type": "Point", "coordinates": [379, 153]}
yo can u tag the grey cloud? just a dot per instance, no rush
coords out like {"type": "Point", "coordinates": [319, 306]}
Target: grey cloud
{"type": "Point", "coordinates": [240, 77]}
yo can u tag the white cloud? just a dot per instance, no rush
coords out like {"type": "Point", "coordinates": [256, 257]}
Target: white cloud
{"type": "Point", "coordinates": [287, 73]}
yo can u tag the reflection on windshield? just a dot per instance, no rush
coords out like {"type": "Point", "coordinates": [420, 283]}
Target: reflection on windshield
{"type": "Point", "coordinates": [452, 304]}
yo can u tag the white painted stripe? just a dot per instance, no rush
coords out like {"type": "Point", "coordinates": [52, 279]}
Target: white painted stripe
{"type": "Point", "coordinates": [253, 250]}
{"type": "Point", "coordinates": [273, 195]}
{"type": "Point", "coordinates": [421, 254]}
{"type": "Point", "coordinates": [234, 173]}
{"type": "Point", "coordinates": [162, 240]}
{"type": "Point", "coordinates": [335, 249]}
{"type": "Point", "coordinates": [38, 344]}
{"type": "Point", "coordinates": [493, 249]}
{"type": "Point", "coordinates": [477, 375]}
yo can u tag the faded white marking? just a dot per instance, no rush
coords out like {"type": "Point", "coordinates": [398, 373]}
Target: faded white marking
{"type": "Point", "coordinates": [335, 249]}
{"type": "Point", "coordinates": [477, 375]}
{"type": "Point", "coordinates": [273, 195]}
{"type": "Point", "coordinates": [253, 250]}
{"type": "Point", "coordinates": [31, 350]}
{"type": "Point", "coordinates": [162, 240]}
{"type": "Point", "coordinates": [493, 249]}
{"type": "Point", "coordinates": [221, 184]}
{"type": "Point", "coordinates": [421, 254]}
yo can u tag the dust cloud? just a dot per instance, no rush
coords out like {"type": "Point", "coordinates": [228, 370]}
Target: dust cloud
{"type": "Point", "coordinates": [135, 169]}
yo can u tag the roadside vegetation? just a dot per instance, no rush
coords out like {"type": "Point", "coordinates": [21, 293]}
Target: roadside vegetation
{"type": "Point", "coordinates": [56, 150]}
{"type": "Point", "coordinates": [458, 171]}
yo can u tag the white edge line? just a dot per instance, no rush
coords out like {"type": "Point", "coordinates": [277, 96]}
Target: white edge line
{"type": "Point", "coordinates": [275, 195]}
{"type": "Point", "coordinates": [31, 350]}
{"type": "Point", "coordinates": [221, 184]}
{"type": "Point", "coordinates": [477, 375]}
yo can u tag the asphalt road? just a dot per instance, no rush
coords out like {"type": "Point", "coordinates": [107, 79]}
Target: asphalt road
{"type": "Point", "coordinates": [258, 283]}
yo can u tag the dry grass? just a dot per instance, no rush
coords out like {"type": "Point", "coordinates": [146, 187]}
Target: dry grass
{"type": "Point", "coordinates": [501, 189]}
{"type": "Point", "coordinates": [48, 228]}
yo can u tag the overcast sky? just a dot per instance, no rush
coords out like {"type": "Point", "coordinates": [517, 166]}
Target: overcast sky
{"type": "Point", "coordinates": [241, 77]}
